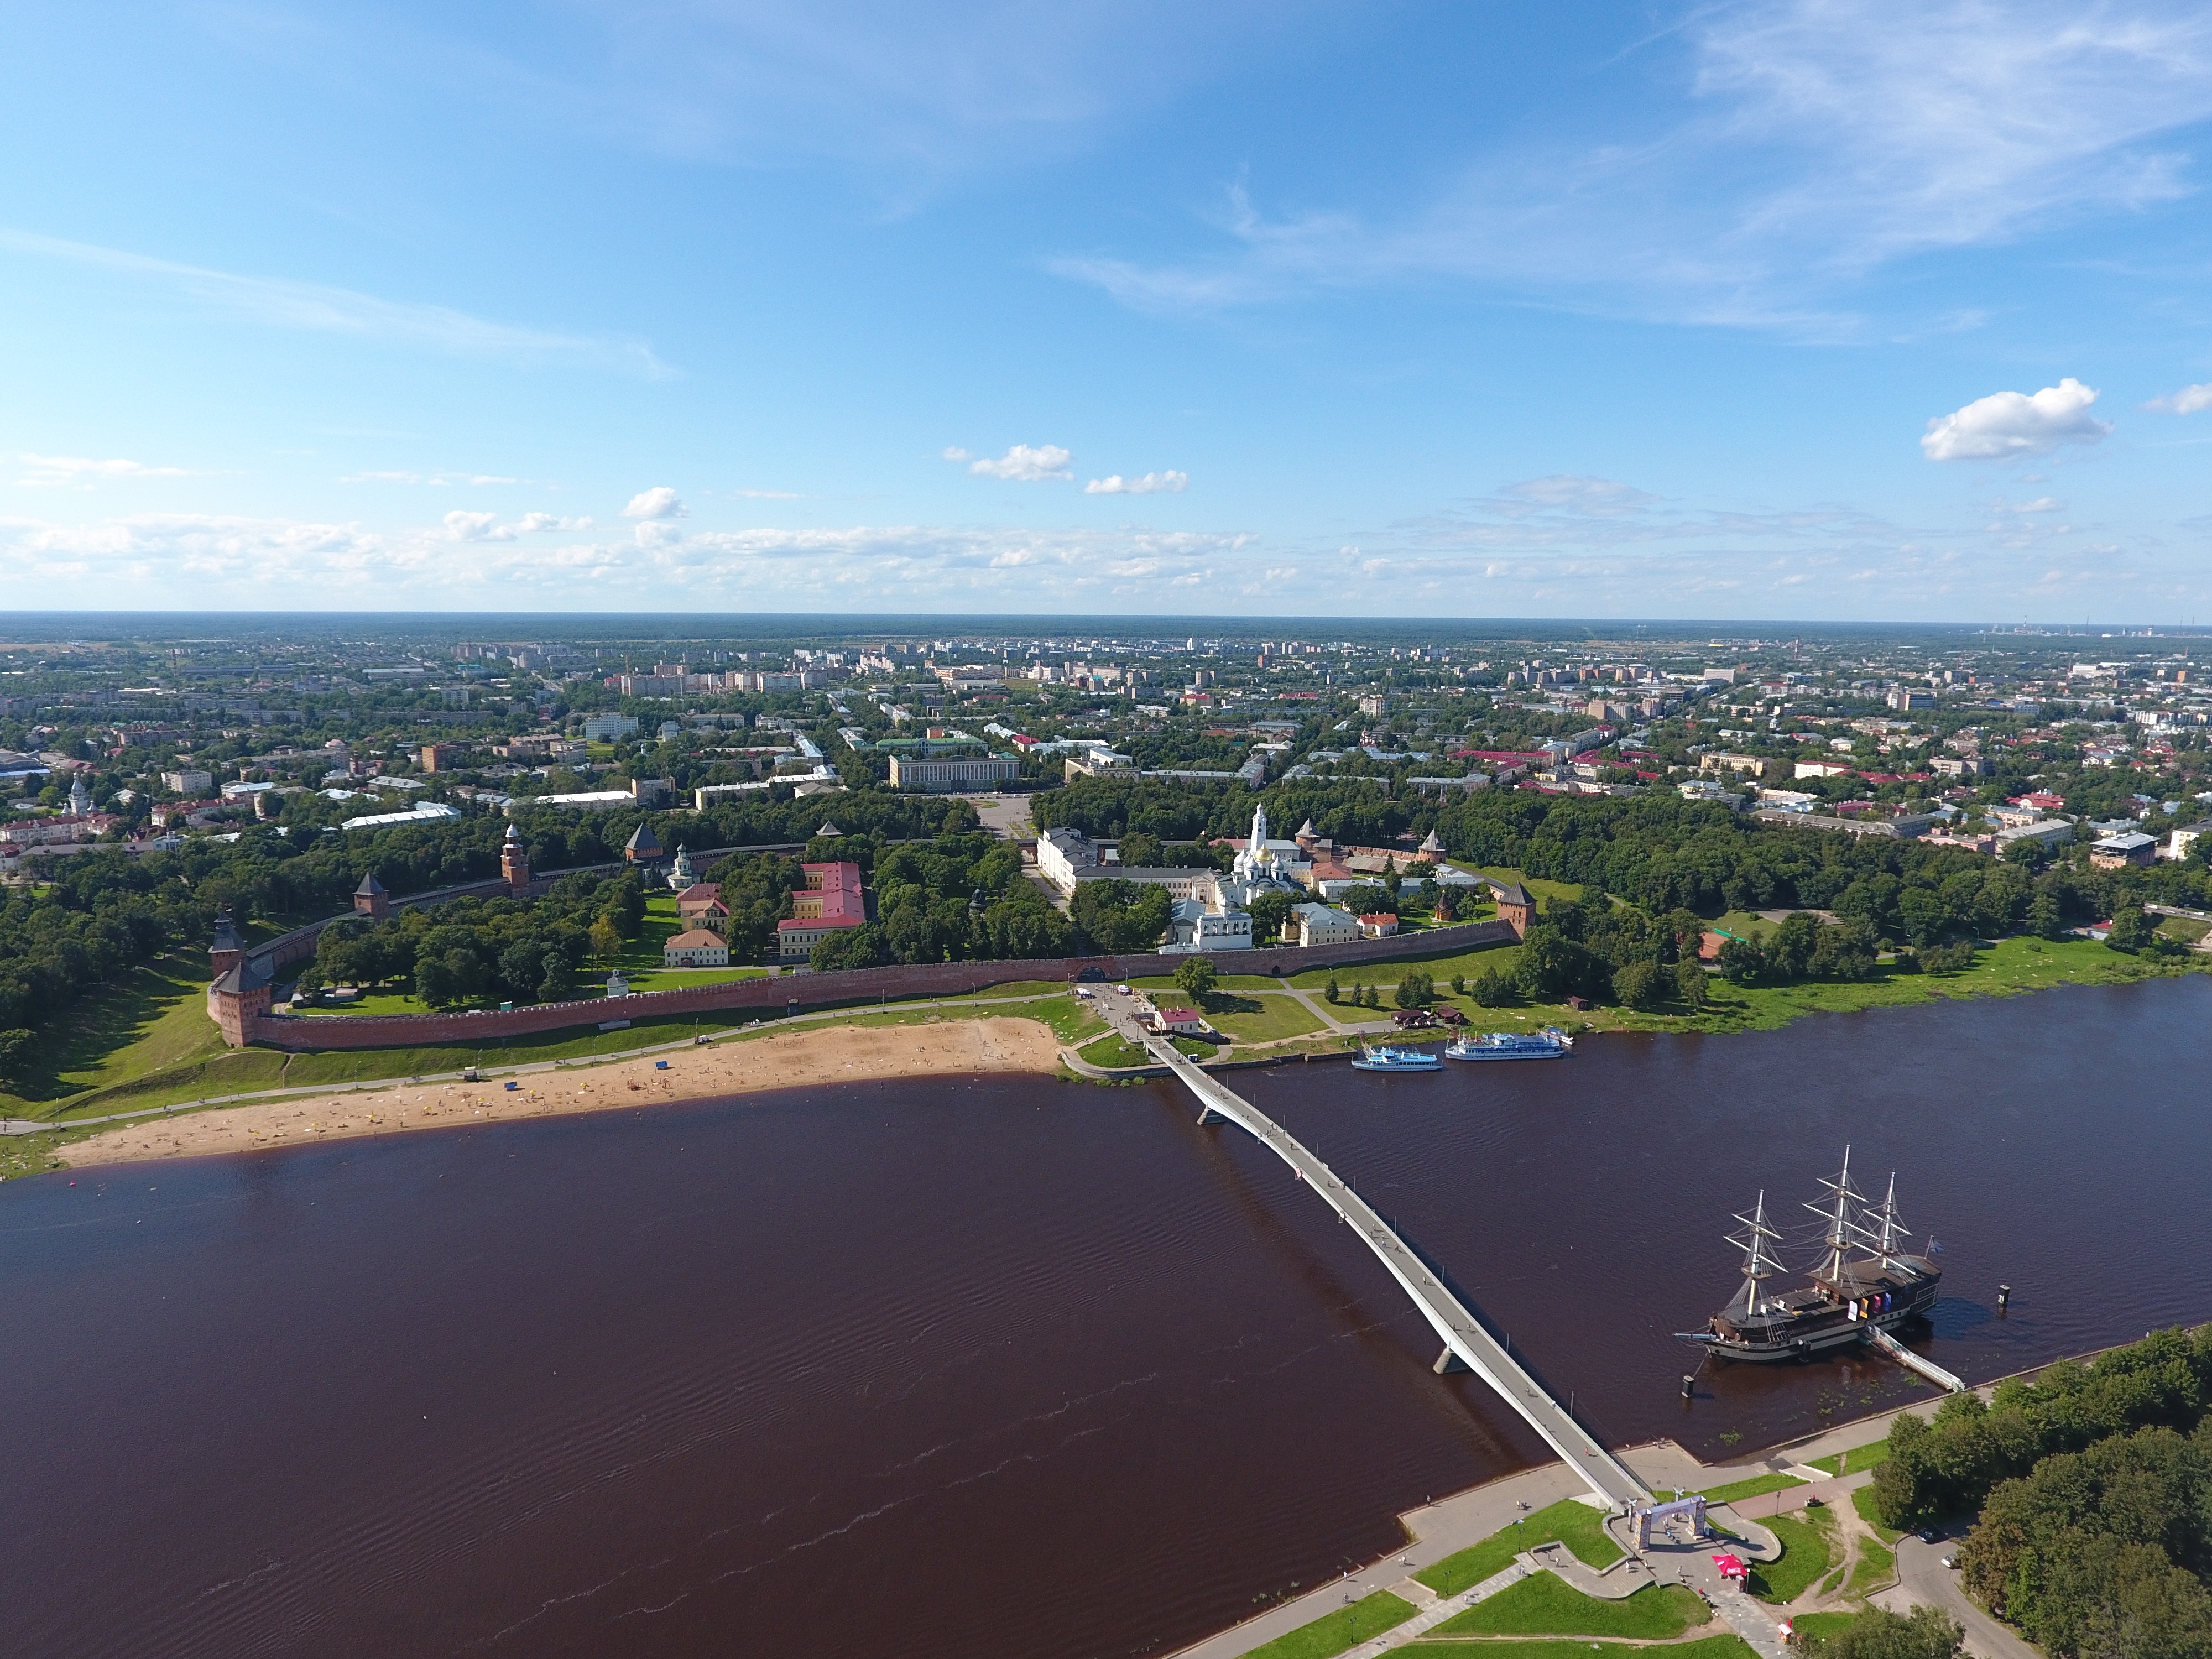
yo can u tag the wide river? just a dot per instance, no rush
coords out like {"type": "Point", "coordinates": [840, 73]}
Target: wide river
{"type": "Point", "coordinates": [1001, 1367]}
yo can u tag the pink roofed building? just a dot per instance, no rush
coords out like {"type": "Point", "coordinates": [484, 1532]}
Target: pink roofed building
{"type": "Point", "coordinates": [832, 900]}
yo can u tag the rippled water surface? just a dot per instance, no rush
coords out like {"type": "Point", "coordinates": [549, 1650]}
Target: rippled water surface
{"type": "Point", "coordinates": [998, 1367]}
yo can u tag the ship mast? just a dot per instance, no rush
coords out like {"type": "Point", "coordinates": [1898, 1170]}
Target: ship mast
{"type": "Point", "coordinates": [1844, 1234]}
{"type": "Point", "coordinates": [1891, 1230]}
{"type": "Point", "coordinates": [1757, 1263]}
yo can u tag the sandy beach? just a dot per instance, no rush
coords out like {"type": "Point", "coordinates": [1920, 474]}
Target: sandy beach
{"type": "Point", "coordinates": [796, 1060]}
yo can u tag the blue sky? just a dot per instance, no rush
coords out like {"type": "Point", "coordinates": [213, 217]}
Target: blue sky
{"type": "Point", "coordinates": [1819, 309]}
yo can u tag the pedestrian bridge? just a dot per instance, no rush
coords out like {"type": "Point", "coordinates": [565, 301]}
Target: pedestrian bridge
{"type": "Point", "coordinates": [1465, 1341]}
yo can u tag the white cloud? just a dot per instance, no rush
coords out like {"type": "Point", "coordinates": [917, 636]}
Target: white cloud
{"type": "Point", "coordinates": [1812, 142]}
{"type": "Point", "coordinates": [55, 469]}
{"type": "Point", "coordinates": [1170, 483]}
{"type": "Point", "coordinates": [277, 302]}
{"type": "Point", "coordinates": [478, 527]}
{"type": "Point", "coordinates": [954, 452]}
{"type": "Point", "coordinates": [2187, 401]}
{"type": "Point", "coordinates": [2040, 504]}
{"type": "Point", "coordinates": [658, 503]}
{"type": "Point", "coordinates": [461, 526]}
{"type": "Point", "coordinates": [1023, 465]}
{"type": "Point", "coordinates": [2009, 423]}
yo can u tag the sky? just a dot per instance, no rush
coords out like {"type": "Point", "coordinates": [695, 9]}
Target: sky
{"type": "Point", "coordinates": [1824, 310]}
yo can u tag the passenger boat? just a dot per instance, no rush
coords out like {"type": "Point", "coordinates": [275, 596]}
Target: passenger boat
{"type": "Point", "coordinates": [1864, 1282]}
{"type": "Point", "coordinates": [1550, 1043]}
{"type": "Point", "coordinates": [1382, 1057]}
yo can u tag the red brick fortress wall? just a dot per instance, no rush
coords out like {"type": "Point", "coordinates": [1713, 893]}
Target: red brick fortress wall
{"type": "Point", "coordinates": [859, 985]}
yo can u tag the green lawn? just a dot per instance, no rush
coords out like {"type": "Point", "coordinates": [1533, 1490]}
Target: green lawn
{"type": "Point", "coordinates": [1875, 1567]}
{"type": "Point", "coordinates": [1708, 1647]}
{"type": "Point", "coordinates": [154, 1019]}
{"type": "Point", "coordinates": [1544, 1604]}
{"type": "Point", "coordinates": [1346, 1627]}
{"type": "Point", "coordinates": [1575, 1525]}
{"type": "Point", "coordinates": [1538, 887]}
{"type": "Point", "coordinates": [1751, 1488]}
{"type": "Point", "coordinates": [1805, 1558]}
{"type": "Point", "coordinates": [1862, 1502]}
{"type": "Point", "coordinates": [1113, 1050]}
{"type": "Point", "coordinates": [1856, 1460]}
{"type": "Point", "coordinates": [1260, 1019]}
{"type": "Point", "coordinates": [1440, 966]}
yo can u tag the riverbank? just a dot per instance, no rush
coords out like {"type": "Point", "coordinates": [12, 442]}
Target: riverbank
{"type": "Point", "coordinates": [777, 1059]}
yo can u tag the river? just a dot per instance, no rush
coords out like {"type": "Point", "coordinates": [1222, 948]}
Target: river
{"type": "Point", "coordinates": [994, 1368]}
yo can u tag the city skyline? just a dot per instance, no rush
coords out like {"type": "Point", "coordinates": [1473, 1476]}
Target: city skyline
{"type": "Point", "coordinates": [1774, 310]}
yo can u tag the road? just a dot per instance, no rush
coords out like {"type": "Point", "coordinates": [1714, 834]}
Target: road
{"type": "Point", "coordinates": [1923, 1580]}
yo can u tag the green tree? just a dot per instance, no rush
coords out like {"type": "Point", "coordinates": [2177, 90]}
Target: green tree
{"type": "Point", "coordinates": [1331, 991]}
{"type": "Point", "coordinates": [17, 1049]}
{"type": "Point", "coordinates": [1415, 990]}
{"type": "Point", "coordinates": [2132, 928]}
{"type": "Point", "coordinates": [1878, 1633]}
{"type": "Point", "coordinates": [1141, 850]}
{"type": "Point", "coordinates": [606, 939]}
{"type": "Point", "coordinates": [1269, 911]}
{"type": "Point", "coordinates": [1196, 975]}
{"type": "Point", "coordinates": [1640, 984]}
{"type": "Point", "coordinates": [1492, 989]}
{"type": "Point", "coordinates": [1743, 961]}
{"type": "Point", "coordinates": [1690, 982]}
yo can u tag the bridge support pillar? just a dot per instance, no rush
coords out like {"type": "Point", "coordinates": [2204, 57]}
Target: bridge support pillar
{"type": "Point", "coordinates": [1209, 1116]}
{"type": "Point", "coordinates": [1447, 1362]}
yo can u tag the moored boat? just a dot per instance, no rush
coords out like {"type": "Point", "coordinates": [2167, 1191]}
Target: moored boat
{"type": "Point", "coordinates": [1382, 1057]}
{"type": "Point", "coordinates": [1864, 1282]}
{"type": "Point", "coordinates": [1550, 1043]}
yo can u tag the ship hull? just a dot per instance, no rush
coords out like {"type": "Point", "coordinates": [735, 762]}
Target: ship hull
{"type": "Point", "coordinates": [1846, 1333]}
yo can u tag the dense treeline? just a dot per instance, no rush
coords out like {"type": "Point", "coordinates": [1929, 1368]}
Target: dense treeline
{"type": "Point", "coordinates": [487, 950]}
{"type": "Point", "coordinates": [1948, 1467]}
{"type": "Point", "coordinates": [956, 898]}
{"type": "Point", "coordinates": [2094, 1488]}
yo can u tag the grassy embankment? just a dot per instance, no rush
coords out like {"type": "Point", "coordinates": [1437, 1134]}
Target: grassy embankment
{"type": "Point", "coordinates": [1346, 1627]}
{"type": "Point", "coordinates": [1544, 1604]}
{"type": "Point", "coordinates": [1856, 1460]}
{"type": "Point", "coordinates": [1805, 1556]}
{"type": "Point", "coordinates": [1574, 1524]}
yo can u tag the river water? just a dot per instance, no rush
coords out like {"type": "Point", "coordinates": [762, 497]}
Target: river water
{"type": "Point", "coordinates": [1000, 1367]}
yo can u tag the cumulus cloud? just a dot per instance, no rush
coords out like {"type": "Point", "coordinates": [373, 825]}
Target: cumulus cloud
{"type": "Point", "coordinates": [531, 523]}
{"type": "Point", "coordinates": [1170, 483]}
{"type": "Point", "coordinates": [2009, 423]}
{"type": "Point", "coordinates": [658, 503]}
{"type": "Point", "coordinates": [1023, 465]}
{"type": "Point", "coordinates": [954, 452]}
{"type": "Point", "coordinates": [51, 470]}
{"type": "Point", "coordinates": [2040, 504]}
{"type": "Point", "coordinates": [2187, 401]}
